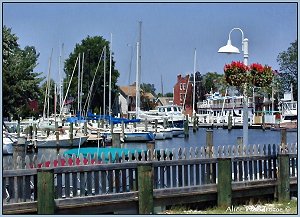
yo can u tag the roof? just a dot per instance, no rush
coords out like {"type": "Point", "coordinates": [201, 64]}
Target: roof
{"type": "Point", "coordinates": [130, 91]}
{"type": "Point", "coordinates": [166, 100]}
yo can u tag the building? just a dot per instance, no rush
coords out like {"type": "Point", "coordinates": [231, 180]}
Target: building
{"type": "Point", "coordinates": [183, 93]}
{"type": "Point", "coordinates": [163, 101]}
{"type": "Point", "coordinates": [127, 99]}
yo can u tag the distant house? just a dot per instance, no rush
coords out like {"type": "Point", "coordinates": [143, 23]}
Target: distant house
{"type": "Point", "coordinates": [127, 99]}
{"type": "Point", "coordinates": [161, 101]}
{"type": "Point", "coordinates": [183, 93]}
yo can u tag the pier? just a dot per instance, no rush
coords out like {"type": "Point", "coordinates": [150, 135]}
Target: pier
{"type": "Point", "coordinates": [141, 183]}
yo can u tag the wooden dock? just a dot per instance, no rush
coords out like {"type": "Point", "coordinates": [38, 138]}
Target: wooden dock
{"type": "Point", "coordinates": [156, 178]}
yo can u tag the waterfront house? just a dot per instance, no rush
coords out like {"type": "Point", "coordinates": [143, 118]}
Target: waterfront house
{"type": "Point", "coordinates": [127, 99]}
{"type": "Point", "coordinates": [183, 93]}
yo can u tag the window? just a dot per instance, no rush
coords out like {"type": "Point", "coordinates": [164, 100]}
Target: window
{"type": "Point", "coordinates": [183, 86]}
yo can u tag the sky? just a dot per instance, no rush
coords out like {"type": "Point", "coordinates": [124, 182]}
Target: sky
{"type": "Point", "coordinates": [170, 34]}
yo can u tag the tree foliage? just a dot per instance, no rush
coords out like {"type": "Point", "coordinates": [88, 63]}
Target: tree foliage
{"type": "Point", "coordinates": [149, 88]}
{"type": "Point", "coordinates": [92, 48]}
{"type": "Point", "coordinates": [288, 61]}
{"type": "Point", "coordinates": [20, 83]}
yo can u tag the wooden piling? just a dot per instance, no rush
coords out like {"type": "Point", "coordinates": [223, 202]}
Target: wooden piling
{"type": "Point", "coordinates": [45, 191]}
{"type": "Point", "coordinates": [186, 126]}
{"type": "Point", "coordinates": [194, 123]}
{"type": "Point", "coordinates": [155, 125]}
{"type": "Point", "coordinates": [57, 135]}
{"type": "Point", "coordinates": [263, 122]}
{"type": "Point", "coordinates": [165, 123]}
{"type": "Point", "coordinates": [115, 140]}
{"type": "Point", "coordinates": [34, 137]}
{"type": "Point", "coordinates": [145, 188]}
{"type": "Point", "coordinates": [71, 134]}
{"type": "Point", "coordinates": [18, 128]}
{"type": "Point", "coordinates": [209, 141]}
{"type": "Point", "coordinates": [224, 182]}
{"type": "Point", "coordinates": [146, 125]}
{"type": "Point", "coordinates": [283, 177]}
{"type": "Point", "coordinates": [85, 128]}
{"type": "Point", "coordinates": [19, 149]}
{"type": "Point", "coordinates": [283, 139]}
{"type": "Point", "coordinates": [229, 122]}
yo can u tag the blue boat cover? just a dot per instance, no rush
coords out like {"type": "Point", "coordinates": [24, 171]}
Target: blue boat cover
{"type": "Point", "coordinates": [99, 151]}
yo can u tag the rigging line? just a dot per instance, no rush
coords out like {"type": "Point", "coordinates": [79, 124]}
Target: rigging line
{"type": "Point", "coordinates": [87, 102]}
{"type": "Point", "coordinates": [69, 86]}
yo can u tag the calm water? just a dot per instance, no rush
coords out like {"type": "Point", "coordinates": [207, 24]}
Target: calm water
{"type": "Point", "coordinates": [198, 139]}
{"type": "Point", "coordinates": [222, 137]}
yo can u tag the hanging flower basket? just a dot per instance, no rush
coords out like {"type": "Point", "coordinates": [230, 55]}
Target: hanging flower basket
{"type": "Point", "coordinates": [261, 76]}
{"type": "Point", "coordinates": [236, 73]}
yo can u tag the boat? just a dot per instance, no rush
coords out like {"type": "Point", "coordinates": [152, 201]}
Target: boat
{"type": "Point", "coordinates": [8, 142]}
{"type": "Point", "coordinates": [288, 109]}
{"type": "Point", "coordinates": [100, 151]}
{"type": "Point", "coordinates": [216, 109]}
{"type": "Point", "coordinates": [64, 141]}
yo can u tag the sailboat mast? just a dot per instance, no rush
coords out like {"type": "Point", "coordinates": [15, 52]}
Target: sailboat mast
{"type": "Point", "coordinates": [104, 80]}
{"type": "Point", "coordinates": [137, 85]}
{"type": "Point", "coordinates": [194, 85]}
{"type": "Point", "coordinates": [78, 85]}
{"type": "Point", "coordinates": [140, 53]}
{"type": "Point", "coordinates": [80, 105]}
{"type": "Point", "coordinates": [61, 82]}
{"type": "Point", "coordinates": [48, 86]}
{"type": "Point", "coordinates": [110, 66]}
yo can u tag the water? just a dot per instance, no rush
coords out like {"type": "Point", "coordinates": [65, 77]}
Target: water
{"type": "Point", "coordinates": [197, 139]}
{"type": "Point", "coordinates": [220, 137]}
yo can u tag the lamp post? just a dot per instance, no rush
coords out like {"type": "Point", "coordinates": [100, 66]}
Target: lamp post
{"type": "Point", "coordinates": [230, 49]}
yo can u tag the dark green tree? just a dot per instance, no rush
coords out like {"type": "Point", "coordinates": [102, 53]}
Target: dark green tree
{"type": "Point", "coordinates": [20, 83]}
{"type": "Point", "coordinates": [212, 81]}
{"type": "Point", "coordinates": [149, 88]}
{"type": "Point", "coordinates": [288, 72]}
{"type": "Point", "coordinates": [92, 48]}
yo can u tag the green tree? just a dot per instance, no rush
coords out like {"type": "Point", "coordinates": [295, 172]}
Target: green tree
{"type": "Point", "coordinates": [149, 88]}
{"type": "Point", "coordinates": [20, 83]}
{"type": "Point", "coordinates": [288, 61]}
{"type": "Point", "coordinates": [212, 81]}
{"type": "Point", "coordinates": [92, 48]}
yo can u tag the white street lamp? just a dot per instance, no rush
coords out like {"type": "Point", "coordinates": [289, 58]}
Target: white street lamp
{"type": "Point", "coordinates": [230, 49]}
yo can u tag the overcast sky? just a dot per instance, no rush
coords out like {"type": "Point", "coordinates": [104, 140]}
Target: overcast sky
{"type": "Point", "coordinates": [170, 33]}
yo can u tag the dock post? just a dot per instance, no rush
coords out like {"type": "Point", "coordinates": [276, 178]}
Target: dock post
{"type": "Point", "coordinates": [240, 145]}
{"type": "Point", "coordinates": [224, 182]}
{"type": "Point", "coordinates": [283, 187]}
{"type": "Point", "coordinates": [145, 188]}
{"type": "Point", "coordinates": [151, 147]}
{"type": "Point", "coordinates": [34, 137]}
{"type": "Point", "coordinates": [146, 125]}
{"type": "Point", "coordinates": [209, 141]}
{"type": "Point", "coordinates": [194, 123]}
{"type": "Point", "coordinates": [57, 135]}
{"type": "Point", "coordinates": [229, 122]}
{"type": "Point", "coordinates": [71, 134]}
{"type": "Point", "coordinates": [155, 125]}
{"type": "Point", "coordinates": [165, 123]}
{"type": "Point", "coordinates": [186, 126]}
{"type": "Point", "coordinates": [45, 191]}
{"type": "Point", "coordinates": [19, 149]}
{"type": "Point", "coordinates": [85, 128]}
{"type": "Point", "coordinates": [115, 140]}
{"type": "Point", "coordinates": [18, 128]}
{"type": "Point", "coordinates": [283, 138]}
{"type": "Point", "coordinates": [123, 131]}
{"type": "Point", "coordinates": [263, 122]}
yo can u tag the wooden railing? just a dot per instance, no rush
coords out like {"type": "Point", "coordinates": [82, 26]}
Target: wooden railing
{"type": "Point", "coordinates": [184, 175]}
